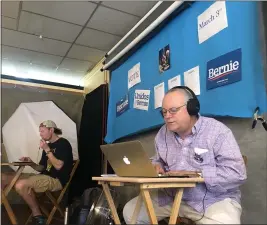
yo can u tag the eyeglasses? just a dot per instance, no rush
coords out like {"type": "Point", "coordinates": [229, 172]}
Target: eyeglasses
{"type": "Point", "coordinates": [172, 110]}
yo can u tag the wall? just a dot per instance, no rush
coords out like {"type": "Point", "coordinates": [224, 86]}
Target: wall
{"type": "Point", "coordinates": [181, 34]}
{"type": "Point", "coordinates": [95, 78]}
{"type": "Point", "coordinates": [13, 94]}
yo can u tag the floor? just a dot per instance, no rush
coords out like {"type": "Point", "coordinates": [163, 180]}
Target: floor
{"type": "Point", "coordinates": [22, 213]}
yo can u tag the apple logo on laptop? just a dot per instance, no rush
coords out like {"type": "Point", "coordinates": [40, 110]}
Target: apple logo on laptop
{"type": "Point", "coordinates": [126, 160]}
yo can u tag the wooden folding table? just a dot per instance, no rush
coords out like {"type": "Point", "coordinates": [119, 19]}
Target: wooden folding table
{"type": "Point", "coordinates": [5, 192]}
{"type": "Point", "coordinates": [145, 185]}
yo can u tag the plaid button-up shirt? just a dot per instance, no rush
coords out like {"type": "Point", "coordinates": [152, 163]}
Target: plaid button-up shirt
{"type": "Point", "coordinates": [220, 162]}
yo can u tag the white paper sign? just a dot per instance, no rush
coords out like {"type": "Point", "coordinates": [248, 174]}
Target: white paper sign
{"type": "Point", "coordinates": [134, 76]}
{"type": "Point", "coordinates": [141, 99]}
{"type": "Point", "coordinates": [159, 93]}
{"type": "Point", "coordinates": [191, 79]}
{"type": "Point", "coordinates": [212, 21]}
{"type": "Point", "coordinates": [175, 81]}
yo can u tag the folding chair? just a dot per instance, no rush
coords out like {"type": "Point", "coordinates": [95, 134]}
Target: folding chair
{"type": "Point", "coordinates": [57, 201]}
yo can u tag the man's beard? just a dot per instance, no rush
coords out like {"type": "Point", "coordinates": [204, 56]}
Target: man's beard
{"type": "Point", "coordinates": [48, 139]}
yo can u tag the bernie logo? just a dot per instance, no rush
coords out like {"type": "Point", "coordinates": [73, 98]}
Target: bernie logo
{"type": "Point", "coordinates": [134, 76]}
{"type": "Point", "coordinates": [122, 105]}
{"type": "Point", "coordinates": [221, 71]}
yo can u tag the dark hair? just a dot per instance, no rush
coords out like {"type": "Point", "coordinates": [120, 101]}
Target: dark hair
{"type": "Point", "coordinates": [57, 131]}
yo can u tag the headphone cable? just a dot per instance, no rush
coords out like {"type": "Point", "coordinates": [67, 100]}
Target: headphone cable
{"type": "Point", "coordinates": [166, 151]}
{"type": "Point", "coordinates": [203, 203]}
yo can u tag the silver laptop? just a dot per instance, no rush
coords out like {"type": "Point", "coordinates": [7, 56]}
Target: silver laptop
{"type": "Point", "coordinates": [129, 159]}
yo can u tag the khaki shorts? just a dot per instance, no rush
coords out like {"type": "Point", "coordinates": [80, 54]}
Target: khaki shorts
{"type": "Point", "coordinates": [42, 183]}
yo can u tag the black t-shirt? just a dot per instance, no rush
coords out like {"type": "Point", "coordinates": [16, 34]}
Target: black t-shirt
{"type": "Point", "coordinates": [62, 150]}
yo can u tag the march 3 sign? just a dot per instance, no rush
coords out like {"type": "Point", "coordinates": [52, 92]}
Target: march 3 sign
{"type": "Point", "coordinates": [212, 21]}
{"type": "Point", "coordinates": [225, 69]}
{"type": "Point", "coordinates": [122, 105]}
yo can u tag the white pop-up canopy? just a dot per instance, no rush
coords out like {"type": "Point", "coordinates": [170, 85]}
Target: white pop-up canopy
{"type": "Point", "coordinates": [21, 132]}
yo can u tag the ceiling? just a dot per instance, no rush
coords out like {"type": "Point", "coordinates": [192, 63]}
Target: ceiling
{"type": "Point", "coordinates": [61, 41]}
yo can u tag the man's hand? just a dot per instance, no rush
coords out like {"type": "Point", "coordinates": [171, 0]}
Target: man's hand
{"type": "Point", "coordinates": [159, 169]}
{"type": "Point", "coordinates": [35, 166]}
{"type": "Point", "coordinates": [25, 159]}
{"type": "Point", "coordinates": [44, 145]}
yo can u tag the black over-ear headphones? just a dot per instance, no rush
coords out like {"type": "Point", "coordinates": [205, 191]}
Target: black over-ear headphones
{"type": "Point", "coordinates": [193, 105]}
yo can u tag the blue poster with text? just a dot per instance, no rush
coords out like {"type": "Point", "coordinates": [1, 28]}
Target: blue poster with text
{"type": "Point", "coordinates": [122, 105]}
{"type": "Point", "coordinates": [225, 69]}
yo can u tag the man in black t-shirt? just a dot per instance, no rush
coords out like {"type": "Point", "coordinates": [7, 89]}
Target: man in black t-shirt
{"type": "Point", "coordinates": [55, 167]}
{"type": "Point", "coordinates": [60, 150]}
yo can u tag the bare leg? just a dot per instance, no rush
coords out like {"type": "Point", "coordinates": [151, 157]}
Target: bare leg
{"type": "Point", "coordinates": [6, 178]}
{"type": "Point", "coordinates": [25, 191]}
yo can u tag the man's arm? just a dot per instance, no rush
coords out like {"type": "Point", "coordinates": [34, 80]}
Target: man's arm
{"type": "Point", "coordinates": [157, 161]}
{"type": "Point", "coordinates": [57, 163]}
{"type": "Point", "coordinates": [37, 167]}
{"type": "Point", "coordinates": [42, 163]}
{"type": "Point", "coordinates": [229, 171]}
{"type": "Point", "coordinates": [156, 158]}
{"type": "Point", "coordinates": [64, 154]}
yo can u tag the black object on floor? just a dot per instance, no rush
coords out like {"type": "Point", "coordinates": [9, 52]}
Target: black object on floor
{"type": "Point", "coordinates": [93, 208]}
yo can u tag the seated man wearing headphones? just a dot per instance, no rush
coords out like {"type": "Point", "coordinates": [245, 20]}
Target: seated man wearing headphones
{"type": "Point", "coordinates": [190, 142]}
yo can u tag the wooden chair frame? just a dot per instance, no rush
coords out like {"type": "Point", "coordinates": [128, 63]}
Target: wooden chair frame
{"type": "Point", "coordinates": [57, 201]}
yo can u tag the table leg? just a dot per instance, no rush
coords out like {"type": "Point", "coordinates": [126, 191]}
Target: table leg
{"type": "Point", "coordinates": [137, 209]}
{"type": "Point", "coordinates": [111, 203]}
{"type": "Point", "coordinates": [149, 206]}
{"type": "Point", "coordinates": [176, 206]}
{"type": "Point", "coordinates": [5, 192]}
{"type": "Point", "coordinates": [14, 180]}
{"type": "Point", "coordinates": [9, 210]}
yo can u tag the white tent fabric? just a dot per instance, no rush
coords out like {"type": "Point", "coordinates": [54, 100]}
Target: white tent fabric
{"type": "Point", "coordinates": [21, 132]}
